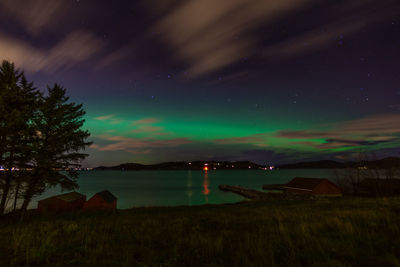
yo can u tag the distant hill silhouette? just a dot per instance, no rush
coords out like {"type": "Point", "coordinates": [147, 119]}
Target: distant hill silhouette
{"type": "Point", "coordinates": [390, 162]}
{"type": "Point", "coordinates": [182, 165]}
{"type": "Point", "coordinates": [321, 164]}
{"type": "Point", "coordinates": [241, 165]}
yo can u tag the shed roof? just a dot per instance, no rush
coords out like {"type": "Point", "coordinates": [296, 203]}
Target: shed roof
{"type": "Point", "coordinates": [68, 197]}
{"type": "Point", "coordinates": [107, 196]}
{"type": "Point", "coordinates": [306, 183]}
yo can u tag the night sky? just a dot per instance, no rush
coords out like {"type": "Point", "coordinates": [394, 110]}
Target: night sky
{"type": "Point", "coordinates": [271, 81]}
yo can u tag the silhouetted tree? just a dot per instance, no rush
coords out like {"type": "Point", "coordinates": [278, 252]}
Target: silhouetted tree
{"type": "Point", "coordinates": [57, 145]}
{"type": "Point", "coordinates": [370, 176]}
{"type": "Point", "coordinates": [17, 110]}
{"type": "Point", "coordinates": [41, 132]}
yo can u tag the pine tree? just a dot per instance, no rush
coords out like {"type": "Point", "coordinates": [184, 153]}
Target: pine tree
{"type": "Point", "coordinates": [57, 145]}
{"type": "Point", "coordinates": [41, 132]}
{"type": "Point", "coordinates": [17, 109]}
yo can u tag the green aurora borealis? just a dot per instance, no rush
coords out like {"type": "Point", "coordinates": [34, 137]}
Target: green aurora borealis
{"type": "Point", "coordinates": [267, 81]}
{"type": "Point", "coordinates": [151, 129]}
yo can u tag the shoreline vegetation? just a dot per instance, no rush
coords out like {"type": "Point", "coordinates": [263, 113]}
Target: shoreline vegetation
{"type": "Point", "coordinates": [330, 232]}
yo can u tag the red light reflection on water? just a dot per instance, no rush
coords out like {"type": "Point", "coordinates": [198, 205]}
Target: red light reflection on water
{"type": "Point", "coordinates": [205, 191]}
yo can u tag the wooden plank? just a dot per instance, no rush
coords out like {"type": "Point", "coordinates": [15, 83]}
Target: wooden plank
{"type": "Point", "coordinates": [247, 193]}
{"type": "Point", "coordinates": [273, 187]}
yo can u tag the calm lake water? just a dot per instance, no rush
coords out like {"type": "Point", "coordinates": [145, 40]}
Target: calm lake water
{"type": "Point", "coordinates": [173, 188]}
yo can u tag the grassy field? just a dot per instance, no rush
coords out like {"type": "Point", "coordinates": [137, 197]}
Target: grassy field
{"type": "Point", "coordinates": [336, 232]}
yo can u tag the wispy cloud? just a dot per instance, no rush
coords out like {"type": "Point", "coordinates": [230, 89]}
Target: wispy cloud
{"type": "Point", "coordinates": [381, 124]}
{"type": "Point", "coordinates": [36, 15]}
{"type": "Point", "coordinates": [145, 121]}
{"type": "Point", "coordinates": [145, 125]}
{"type": "Point", "coordinates": [312, 40]}
{"type": "Point", "coordinates": [338, 143]}
{"type": "Point", "coordinates": [354, 15]}
{"type": "Point", "coordinates": [128, 127]}
{"type": "Point", "coordinates": [114, 57]}
{"type": "Point", "coordinates": [148, 129]}
{"type": "Point", "coordinates": [120, 143]}
{"type": "Point", "coordinates": [368, 131]}
{"type": "Point", "coordinates": [208, 35]}
{"type": "Point", "coordinates": [255, 139]}
{"type": "Point", "coordinates": [110, 119]}
{"type": "Point", "coordinates": [305, 134]}
{"type": "Point", "coordinates": [76, 47]}
{"type": "Point", "coordinates": [105, 117]}
{"type": "Point", "coordinates": [38, 18]}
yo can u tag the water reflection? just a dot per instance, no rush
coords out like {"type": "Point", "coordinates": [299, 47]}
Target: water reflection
{"type": "Point", "coordinates": [206, 190]}
{"type": "Point", "coordinates": [173, 188]}
{"type": "Point", "coordinates": [189, 187]}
